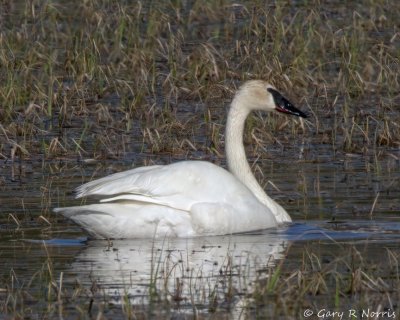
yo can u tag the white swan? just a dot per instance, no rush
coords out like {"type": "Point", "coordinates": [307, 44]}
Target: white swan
{"type": "Point", "coordinates": [188, 198]}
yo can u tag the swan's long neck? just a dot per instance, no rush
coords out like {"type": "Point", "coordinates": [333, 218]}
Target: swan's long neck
{"type": "Point", "coordinates": [237, 160]}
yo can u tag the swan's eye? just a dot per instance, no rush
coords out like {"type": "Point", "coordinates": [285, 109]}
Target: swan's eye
{"type": "Point", "coordinates": [284, 105]}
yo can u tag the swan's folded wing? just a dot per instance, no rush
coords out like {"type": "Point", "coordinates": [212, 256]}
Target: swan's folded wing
{"type": "Point", "coordinates": [179, 185]}
{"type": "Point", "coordinates": [117, 183]}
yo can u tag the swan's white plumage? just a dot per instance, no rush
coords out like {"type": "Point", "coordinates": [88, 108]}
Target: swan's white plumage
{"type": "Point", "coordinates": [188, 198]}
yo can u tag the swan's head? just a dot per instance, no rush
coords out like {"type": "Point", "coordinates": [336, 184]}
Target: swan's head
{"type": "Point", "coordinates": [259, 95]}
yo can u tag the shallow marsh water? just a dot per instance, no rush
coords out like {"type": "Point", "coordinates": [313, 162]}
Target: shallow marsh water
{"type": "Point", "coordinates": [340, 203]}
{"type": "Point", "coordinates": [213, 276]}
{"type": "Point", "coordinates": [74, 115]}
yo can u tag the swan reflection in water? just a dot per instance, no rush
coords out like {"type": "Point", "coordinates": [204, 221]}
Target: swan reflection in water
{"type": "Point", "coordinates": [201, 272]}
{"type": "Point", "coordinates": [190, 271]}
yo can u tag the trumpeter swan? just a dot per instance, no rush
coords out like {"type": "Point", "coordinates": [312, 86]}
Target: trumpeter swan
{"type": "Point", "coordinates": [188, 198]}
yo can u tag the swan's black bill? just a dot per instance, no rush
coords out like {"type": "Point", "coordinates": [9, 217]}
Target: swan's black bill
{"type": "Point", "coordinates": [284, 105]}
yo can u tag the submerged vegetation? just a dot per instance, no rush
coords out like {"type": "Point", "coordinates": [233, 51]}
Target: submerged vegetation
{"type": "Point", "coordinates": [88, 83]}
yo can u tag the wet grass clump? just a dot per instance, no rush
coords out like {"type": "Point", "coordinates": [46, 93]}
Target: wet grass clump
{"type": "Point", "coordinates": [344, 281]}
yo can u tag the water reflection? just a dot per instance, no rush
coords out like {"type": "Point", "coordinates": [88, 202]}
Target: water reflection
{"type": "Point", "coordinates": [192, 271]}
{"type": "Point", "coordinates": [196, 271]}
{"type": "Point", "coordinates": [196, 274]}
